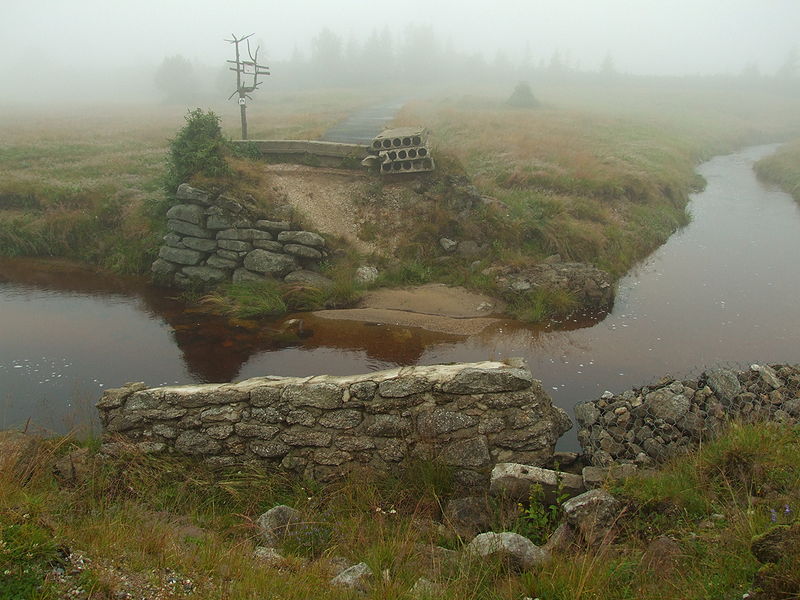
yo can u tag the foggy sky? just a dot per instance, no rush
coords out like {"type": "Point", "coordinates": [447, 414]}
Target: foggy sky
{"type": "Point", "coordinates": [658, 37]}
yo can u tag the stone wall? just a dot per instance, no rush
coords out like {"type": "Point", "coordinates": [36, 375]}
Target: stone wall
{"type": "Point", "coordinates": [215, 238]}
{"type": "Point", "coordinates": [468, 416]}
{"type": "Point", "coordinates": [653, 423]}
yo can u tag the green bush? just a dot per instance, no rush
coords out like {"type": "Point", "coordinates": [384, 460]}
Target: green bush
{"type": "Point", "coordinates": [199, 148]}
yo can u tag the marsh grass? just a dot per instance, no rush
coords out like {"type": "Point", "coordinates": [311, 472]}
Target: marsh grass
{"type": "Point", "coordinates": [783, 168]}
{"type": "Point", "coordinates": [598, 173]}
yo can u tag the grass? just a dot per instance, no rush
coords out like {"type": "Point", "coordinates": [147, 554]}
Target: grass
{"type": "Point", "coordinates": [253, 299]}
{"type": "Point", "coordinates": [783, 168]}
{"type": "Point", "coordinates": [597, 174]}
{"type": "Point", "coordinates": [147, 517]}
{"type": "Point", "coordinates": [86, 183]}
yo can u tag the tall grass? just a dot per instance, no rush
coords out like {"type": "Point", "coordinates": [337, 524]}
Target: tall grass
{"type": "Point", "coordinates": [141, 516]}
{"type": "Point", "coordinates": [783, 168]}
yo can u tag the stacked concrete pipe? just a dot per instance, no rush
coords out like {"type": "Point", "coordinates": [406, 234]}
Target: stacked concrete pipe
{"type": "Point", "coordinates": [403, 150]}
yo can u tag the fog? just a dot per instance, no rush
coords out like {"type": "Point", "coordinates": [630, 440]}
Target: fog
{"type": "Point", "coordinates": [94, 50]}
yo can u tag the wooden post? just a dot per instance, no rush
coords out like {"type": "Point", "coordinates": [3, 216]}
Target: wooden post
{"type": "Point", "coordinates": [241, 68]}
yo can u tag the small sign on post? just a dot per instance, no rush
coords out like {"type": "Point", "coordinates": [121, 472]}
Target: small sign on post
{"type": "Point", "coordinates": [249, 68]}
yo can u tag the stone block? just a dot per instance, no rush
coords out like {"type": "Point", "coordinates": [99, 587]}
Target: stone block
{"type": "Point", "coordinates": [235, 245]}
{"type": "Point", "coordinates": [221, 263]}
{"type": "Point", "coordinates": [200, 244]}
{"type": "Point", "coordinates": [181, 256]}
{"type": "Point", "coordinates": [184, 228]}
{"type": "Point", "coordinates": [302, 251]}
{"type": "Point", "coordinates": [268, 245]}
{"type": "Point", "coordinates": [273, 226]}
{"type": "Point", "coordinates": [191, 213]}
{"type": "Point", "coordinates": [235, 234]}
{"type": "Point", "coordinates": [306, 238]}
{"type": "Point", "coordinates": [270, 263]}
{"type": "Point", "coordinates": [515, 481]}
{"type": "Point", "coordinates": [198, 196]}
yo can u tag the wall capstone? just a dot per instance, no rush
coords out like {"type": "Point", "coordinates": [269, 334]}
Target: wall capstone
{"type": "Point", "coordinates": [468, 416]}
{"type": "Point", "coordinates": [213, 239]}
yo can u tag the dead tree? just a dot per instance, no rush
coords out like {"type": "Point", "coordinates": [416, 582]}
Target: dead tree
{"type": "Point", "coordinates": [245, 69]}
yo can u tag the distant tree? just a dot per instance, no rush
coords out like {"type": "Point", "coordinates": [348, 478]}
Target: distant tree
{"type": "Point", "coordinates": [377, 56]}
{"type": "Point", "coordinates": [790, 68]}
{"type": "Point", "coordinates": [175, 79]}
{"type": "Point", "coordinates": [522, 96]}
{"type": "Point", "coordinates": [420, 54]}
{"type": "Point", "coordinates": [326, 55]}
{"type": "Point", "coordinates": [607, 68]}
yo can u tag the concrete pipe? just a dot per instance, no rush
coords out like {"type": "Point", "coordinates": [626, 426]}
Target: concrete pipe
{"type": "Point", "coordinates": [427, 163]}
{"type": "Point", "coordinates": [376, 144]}
{"type": "Point", "coordinates": [397, 142]}
{"type": "Point", "coordinates": [407, 165]}
{"type": "Point", "coordinates": [387, 143]}
{"type": "Point", "coordinates": [418, 164]}
{"type": "Point", "coordinates": [402, 154]}
{"type": "Point", "coordinates": [416, 140]}
{"type": "Point", "coordinates": [412, 153]}
{"type": "Point", "coordinates": [392, 155]}
{"type": "Point", "coordinates": [423, 151]}
{"type": "Point", "coordinates": [397, 166]}
{"type": "Point", "coordinates": [407, 141]}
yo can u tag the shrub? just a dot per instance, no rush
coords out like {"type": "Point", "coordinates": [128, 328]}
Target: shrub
{"type": "Point", "coordinates": [199, 148]}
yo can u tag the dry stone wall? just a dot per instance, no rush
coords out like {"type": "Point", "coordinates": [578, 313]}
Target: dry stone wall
{"type": "Point", "coordinates": [215, 238]}
{"type": "Point", "coordinates": [651, 424]}
{"type": "Point", "coordinates": [469, 416]}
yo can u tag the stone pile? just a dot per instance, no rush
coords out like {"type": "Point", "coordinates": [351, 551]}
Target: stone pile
{"type": "Point", "coordinates": [589, 286]}
{"type": "Point", "coordinates": [651, 424]}
{"type": "Point", "coordinates": [217, 238]}
{"type": "Point", "coordinates": [468, 416]}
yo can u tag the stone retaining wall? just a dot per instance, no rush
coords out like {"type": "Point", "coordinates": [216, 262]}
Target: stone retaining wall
{"type": "Point", "coordinates": [651, 424]}
{"type": "Point", "coordinates": [218, 238]}
{"type": "Point", "coordinates": [468, 416]}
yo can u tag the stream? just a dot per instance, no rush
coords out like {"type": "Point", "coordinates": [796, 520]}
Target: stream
{"type": "Point", "coordinates": [725, 290]}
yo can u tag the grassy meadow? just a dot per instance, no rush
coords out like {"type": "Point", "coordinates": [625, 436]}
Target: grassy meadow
{"type": "Point", "coordinates": [598, 173]}
{"type": "Point", "coordinates": [783, 168]}
{"type": "Point", "coordinates": [173, 528]}
{"type": "Point", "coordinates": [86, 182]}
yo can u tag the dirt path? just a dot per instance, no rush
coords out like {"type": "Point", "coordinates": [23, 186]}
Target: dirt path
{"type": "Point", "coordinates": [434, 307]}
{"type": "Point", "coordinates": [324, 197]}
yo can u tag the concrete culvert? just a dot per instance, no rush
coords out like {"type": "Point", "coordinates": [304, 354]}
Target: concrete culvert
{"type": "Point", "coordinates": [407, 165]}
{"type": "Point", "coordinates": [387, 143]}
{"type": "Point", "coordinates": [392, 155]}
{"type": "Point", "coordinates": [406, 141]}
{"type": "Point", "coordinates": [416, 140]}
{"type": "Point", "coordinates": [423, 151]}
{"type": "Point", "coordinates": [402, 154]}
{"type": "Point", "coordinates": [397, 142]}
{"type": "Point", "coordinates": [412, 153]}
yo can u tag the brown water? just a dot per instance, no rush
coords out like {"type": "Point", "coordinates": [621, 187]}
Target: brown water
{"type": "Point", "coordinates": [724, 290]}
